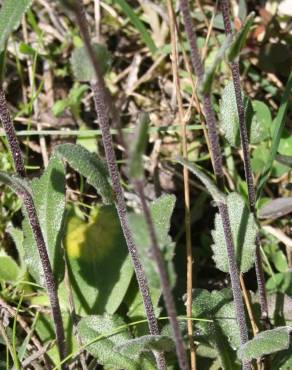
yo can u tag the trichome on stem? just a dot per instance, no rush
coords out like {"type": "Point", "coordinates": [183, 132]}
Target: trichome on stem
{"type": "Point", "coordinates": [218, 170]}
{"type": "Point", "coordinates": [247, 165]}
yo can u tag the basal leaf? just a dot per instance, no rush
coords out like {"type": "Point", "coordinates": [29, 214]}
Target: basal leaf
{"type": "Point", "coordinates": [255, 118]}
{"type": "Point", "coordinates": [99, 265]}
{"type": "Point", "coordinates": [138, 148]}
{"type": "Point", "coordinates": [111, 332]}
{"type": "Point", "coordinates": [161, 211]}
{"type": "Point", "coordinates": [240, 38]}
{"type": "Point", "coordinates": [10, 16]}
{"type": "Point", "coordinates": [147, 343]}
{"type": "Point", "coordinates": [244, 230]}
{"type": "Point", "coordinates": [265, 343]}
{"type": "Point", "coordinates": [88, 165]}
{"type": "Point", "coordinates": [48, 193]}
{"type": "Point", "coordinates": [223, 332]}
{"type": "Point", "coordinates": [82, 65]}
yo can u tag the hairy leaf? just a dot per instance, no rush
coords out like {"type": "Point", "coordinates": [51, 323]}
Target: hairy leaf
{"type": "Point", "coordinates": [161, 211]}
{"type": "Point", "coordinates": [265, 343]}
{"type": "Point", "coordinates": [244, 230]}
{"type": "Point", "coordinates": [99, 265]}
{"type": "Point", "coordinates": [255, 117]}
{"type": "Point", "coordinates": [240, 38]}
{"type": "Point", "coordinates": [223, 333]}
{"type": "Point", "coordinates": [135, 347]}
{"type": "Point", "coordinates": [216, 194]}
{"type": "Point", "coordinates": [82, 65]}
{"type": "Point", "coordinates": [49, 198]}
{"type": "Point", "coordinates": [10, 16]}
{"type": "Point", "coordinates": [111, 332]}
{"type": "Point", "coordinates": [90, 166]}
{"type": "Point", "coordinates": [138, 148]}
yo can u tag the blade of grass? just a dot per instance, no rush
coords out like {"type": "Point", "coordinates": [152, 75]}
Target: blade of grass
{"type": "Point", "coordinates": [138, 24]}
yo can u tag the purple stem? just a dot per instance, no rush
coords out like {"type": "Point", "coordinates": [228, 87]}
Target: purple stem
{"type": "Point", "coordinates": [166, 290]}
{"type": "Point", "coordinates": [99, 94]}
{"type": "Point", "coordinates": [35, 227]}
{"type": "Point", "coordinates": [247, 166]}
{"type": "Point", "coordinates": [218, 170]}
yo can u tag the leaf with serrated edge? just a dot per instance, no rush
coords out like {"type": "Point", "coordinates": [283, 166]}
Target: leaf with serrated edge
{"type": "Point", "coordinates": [10, 16]}
{"type": "Point", "coordinates": [48, 193]}
{"type": "Point", "coordinates": [265, 343]}
{"type": "Point", "coordinates": [111, 331]}
{"type": "Point", "coordinates": [244, 230]}
{"type": "Point", "coordinates": [88, 165]}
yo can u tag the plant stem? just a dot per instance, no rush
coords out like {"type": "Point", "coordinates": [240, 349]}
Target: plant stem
{"type": "Point", "coordinates": [247, 166]}
{"type": "Point", "coordinates": [218, 170]}
{"type": "Point", "coordinates": [99, 93]}
{"type": "Point", "coordinates": [166, 290]}
{"type": "Point", "coordinates": [183, 122]}
{"type": "Point", "coordinates": [35, 227]}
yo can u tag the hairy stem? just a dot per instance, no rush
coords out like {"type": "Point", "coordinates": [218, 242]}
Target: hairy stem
{"type": "Point", "coordinates": [99, 93]}
{"type": "Point", "coordinates": [247, 165]}
{"type": "Point", "coordinates": [218, 170]}
{"type": "Point", "coordinates": [35, 227]}
{"type": "Point", "coordinates": [166, 290]}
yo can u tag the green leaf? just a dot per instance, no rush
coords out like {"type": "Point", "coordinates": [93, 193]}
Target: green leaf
{"type": "Point", "coordinates": [255, 117]}
{"type": "Point", "coordinates": [265, 343]}
{"type": "Point", "coordinates": [10, 16]}
{"type": "Point", "coordinates": [9, 269]}
{"type": "Point", "coordinates": [211, 71]}
{"type": "Point", "coordinates": [99, 265]}
{"type": "Point", "coordinates": [278, 123]}
{"type": "Point", "coordinates": [161, 212]}
{"type": "Point", "coordinates": [138, 24]}
{"type": "Point", "coordinates": [223, 333]}
{"type": "Point", "coordinates": [244, 230]}
{"type": "Point", "coordinates": [240, 38]}
{"type": "Point", "coordinates": [106, 329]}
{"type": "Point", "coordinates": [216, 194]}
{"type": "Point", "coordinates": [88, 165]}
{"type": "Point", "coordinates": [82, 65]}
{"type": "Point", "coordinates": [138, 147]}
{"type": "Point", "coordinates": [135, 347]}
{"type": "Point", "coordinates": [49, 198]}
